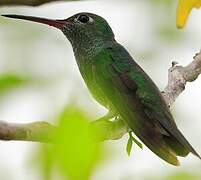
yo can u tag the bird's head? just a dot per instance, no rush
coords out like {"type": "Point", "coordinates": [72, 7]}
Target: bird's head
{"type": "Point", "coordinates": [81, 28]}
{"type": "Point", "coordinates": [87, 27]}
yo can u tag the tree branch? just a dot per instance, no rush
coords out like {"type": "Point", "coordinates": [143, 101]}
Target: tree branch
{"type": "Point", "coordinates": [36, 131]}
{"type": "Point", "coordinates": [27, 2]}
{"type": "Point", "coordinates": [178, 76]}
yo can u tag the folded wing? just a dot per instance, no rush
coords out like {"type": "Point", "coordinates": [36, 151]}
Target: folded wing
{"type": "Point", "coordinates": [139, 102]}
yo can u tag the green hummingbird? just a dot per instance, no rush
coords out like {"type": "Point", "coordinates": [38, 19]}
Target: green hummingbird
{"type": "Point", "coordinates": [117, 82]}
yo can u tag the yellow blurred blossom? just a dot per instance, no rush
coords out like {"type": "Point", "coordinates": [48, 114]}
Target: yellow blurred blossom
{"type": "Point", "coordinates": [183, 10]}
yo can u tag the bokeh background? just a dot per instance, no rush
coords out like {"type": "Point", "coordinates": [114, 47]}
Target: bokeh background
{"type": "Point", "coordinates": [39, 78]}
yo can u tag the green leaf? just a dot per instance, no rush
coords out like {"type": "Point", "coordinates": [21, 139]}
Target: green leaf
{"type": "Point", "coordinates": [129, 146]}
{"type": "Point", "coordinates": [137, 142]}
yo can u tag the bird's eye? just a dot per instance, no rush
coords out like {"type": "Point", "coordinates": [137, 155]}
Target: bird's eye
{"type": "Point", "coordinates": [83, 18]}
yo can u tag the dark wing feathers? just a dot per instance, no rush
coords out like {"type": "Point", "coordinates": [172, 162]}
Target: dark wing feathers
{"type": "Point", "coordinates": [140, 103]}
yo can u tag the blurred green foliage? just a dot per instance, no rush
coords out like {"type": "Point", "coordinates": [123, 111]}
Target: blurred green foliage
{"type": "Point", "coordinates": [9, 81]}
{"type": "Point", "coordinates": [177, 175]}
{"type": "Point", "coordinates": [163, 13]}
{"type": "Point", "coordinates": [169, 34]}
{"type": "Point", "coordinates": [183, 176]}
{"type": "Point", "coordinates": [166, 2]}
{"type": "Point", "coordinates": [75, 153]}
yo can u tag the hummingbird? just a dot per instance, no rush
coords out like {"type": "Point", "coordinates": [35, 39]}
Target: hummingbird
{"type": "Point", "coordinates": [118, 83]}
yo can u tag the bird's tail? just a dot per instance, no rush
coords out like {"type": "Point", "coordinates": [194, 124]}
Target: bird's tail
{"type": "Point", "coordinates": [156, 142]}
{"type": "Point", "coordinates": [165, 145]}
{"type": "Point", "coordinates": [180, 145]}
{"type": "Point", "coordinates": [177, 147]}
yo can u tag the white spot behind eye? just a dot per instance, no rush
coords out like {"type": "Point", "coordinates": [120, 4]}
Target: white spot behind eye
{"type": "Point", "coordinates": [91, 19]}
{"type": "Point", "coordinates": [75, 19]}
